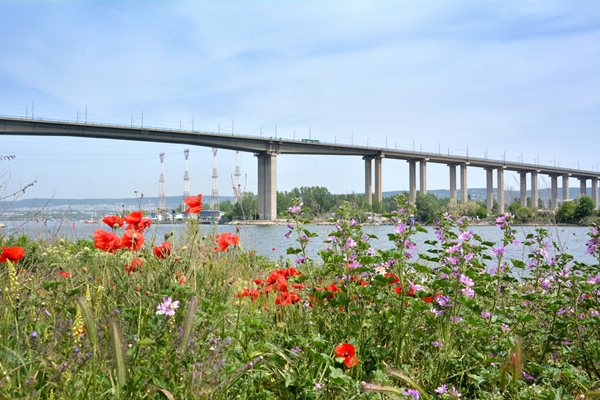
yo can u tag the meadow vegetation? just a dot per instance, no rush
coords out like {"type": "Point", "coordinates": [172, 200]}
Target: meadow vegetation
{"type": "Point", "coordinates": [198, 317]}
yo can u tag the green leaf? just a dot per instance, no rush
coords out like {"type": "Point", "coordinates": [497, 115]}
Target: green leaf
{"type": "Point", "coordinates": [50, 284]}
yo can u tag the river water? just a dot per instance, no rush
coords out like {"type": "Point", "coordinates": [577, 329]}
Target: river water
{"type": "Point", "coordinates": [269, 240]}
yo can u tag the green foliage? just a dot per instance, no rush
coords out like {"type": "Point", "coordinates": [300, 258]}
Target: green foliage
{"type": "Point", "coordinates": [520, 213]}
{"type": "Point", "coordinates": [450, 314]}
{"type": "Point", "coordinates": [573, 212]}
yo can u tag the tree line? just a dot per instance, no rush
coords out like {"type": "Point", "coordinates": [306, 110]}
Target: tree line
{"type": "Point", "coordinates": [323, 204]}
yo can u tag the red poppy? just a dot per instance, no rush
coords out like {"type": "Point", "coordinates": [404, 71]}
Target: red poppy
{"type": "Point", "coordinates": [392, 278]}
{"type": "Point", "coordinates": [162, 251]}
{"type": "Point", "coordinates": [134, 265]}
{"type": "Point", "coordinates": [64, 274]}
{"type": "Point", "coordinates": [226, 239]}
{"type": "Point", "coordinates": [411, 291]}
{"type": "Point", "coordinates": [348, 353]}
{"type": "Point", "coordinates": [286, 298]}
{"type": "Point", "coordinates": [332, 288]}
{"type": "Point", "coordinates": [134, 218]}
{"type": "Point", "coordinates": [252, 293]}
{"type": "Point", "coordinates": [12, 253]}
{"type": "Point", "coordinates": [194, 203]}
{"type": "Point", "coordinates": [137, 221]}
{"type": "Point", "coordinates": [143, 224]}
{"type": "Point", "coordinates": [114, 221]}
{"type": "Point", "coordinates": [132, 240]}
{"type": "Point", "coordinates": [106, 241]}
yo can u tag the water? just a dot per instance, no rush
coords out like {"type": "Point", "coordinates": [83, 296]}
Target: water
{"type": "Point", "coordinates": [269, 240]}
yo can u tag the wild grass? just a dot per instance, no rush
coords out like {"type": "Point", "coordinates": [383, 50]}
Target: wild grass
{"type": "Point", "coordinates": [441, 321]}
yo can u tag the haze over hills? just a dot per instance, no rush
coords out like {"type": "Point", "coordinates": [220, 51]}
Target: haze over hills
{"type": "Point", "coordinates": [149, 203]}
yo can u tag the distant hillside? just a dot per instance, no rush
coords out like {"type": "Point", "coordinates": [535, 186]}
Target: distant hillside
{"type": "Point", "coordinates": [146, 203]}
{"type": "Point", "coordinates": [149, 203]}
{"type": "Point", "coordinates": [509, 195]}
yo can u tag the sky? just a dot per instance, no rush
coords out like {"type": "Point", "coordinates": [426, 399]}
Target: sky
{"type": "Point", "coordinates": [515, 80]}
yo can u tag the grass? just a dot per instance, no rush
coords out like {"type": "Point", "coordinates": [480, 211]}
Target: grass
{"type": "Point", "coordinates": [434, 322]}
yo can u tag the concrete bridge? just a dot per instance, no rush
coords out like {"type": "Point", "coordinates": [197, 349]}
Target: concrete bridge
{"type": "Point", "coordinates": [267, 149]}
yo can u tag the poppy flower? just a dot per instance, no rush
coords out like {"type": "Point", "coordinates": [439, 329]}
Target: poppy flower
{"type": "Point", "coordinates": [134, 218]}
{"type": "Point", "coordinates": [252, 293]}
{"type": "Point", "coordinates": [348, 353]}
{"type": "Point", "coordinates": [162, 251]}
{"type": "Point", "coordinates": [106, 241]}
{"type": "Point", "coordinates": [332, 289]}
{"type": "Point", "coordinates": [132, 240]}
{"type": "Point", "coordinates": [226, 239]}
{"type": "Point", "coordinates": [287, 298]}
{"type": "Point", "coordinates": [137, 221]}
{"type": "Point", "coordinates": [134, 265]}
{"type": "Point", "coordinates": [13, 254]}
{"type": "Point", "coordinates": [194, 203]}
{"type": "Point", "coordinates": [64, 274]}
{"type": "Point", "coordinates": [114, 221]}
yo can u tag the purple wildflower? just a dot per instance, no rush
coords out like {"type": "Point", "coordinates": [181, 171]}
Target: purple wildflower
{"type": "Point", "coordinates": [466, 235]}
{"type": "Point", "coordinates": [400, 228]}
{"type": "Point", "coordinates": [415, 394]}
{"type": "Point", "coordinates": [498, 251]}
{"type": "Point", "coordinates": [167, 307]}
{"type": "Point", "coordinates": [441, 390]}
{"type": "Point", "coordinates": [465, 280]}
{"type": "Point", "coordinates": [295, 209]}
{"type": "Point", "coordinates": [486, 314]}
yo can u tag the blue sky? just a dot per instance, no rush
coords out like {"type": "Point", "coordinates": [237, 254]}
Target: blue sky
{"type": "Point", "coordinates": [514, 79]}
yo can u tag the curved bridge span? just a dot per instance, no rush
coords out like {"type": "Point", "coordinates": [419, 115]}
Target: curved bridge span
{"type": "Point", "coordinates": [267, 149]}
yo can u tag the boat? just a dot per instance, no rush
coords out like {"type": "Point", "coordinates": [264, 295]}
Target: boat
{"type": "Point", "coordinates": [210, 216]}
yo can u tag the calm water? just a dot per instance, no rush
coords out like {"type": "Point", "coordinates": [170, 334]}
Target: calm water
{"type": "Point", "coordinates": [269, 240]}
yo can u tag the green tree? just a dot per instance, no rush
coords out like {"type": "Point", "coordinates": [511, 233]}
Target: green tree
{"type": "Point", "coordinates": [521, 213]}
{"type": "Point", "coordinates": [566, 212]}
{"type": "Point", "coordinates": [247, 208]}
{"type": "Point", "coordinates": [584, 208]}
{"type": "Point", "coordinates": [428, 207]}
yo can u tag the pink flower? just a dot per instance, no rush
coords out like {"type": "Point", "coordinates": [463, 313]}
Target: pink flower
{"type": "Point", "coordinates": [167, 307]}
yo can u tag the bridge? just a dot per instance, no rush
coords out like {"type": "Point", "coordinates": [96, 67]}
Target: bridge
{"type": "Point", "coordinates": [267, 149]}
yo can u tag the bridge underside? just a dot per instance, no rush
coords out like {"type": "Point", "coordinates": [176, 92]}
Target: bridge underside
{"type": "Point", "coordinates": [266, 150]}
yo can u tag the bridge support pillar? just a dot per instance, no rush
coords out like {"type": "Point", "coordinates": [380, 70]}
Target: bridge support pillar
{"type": "Point", "coordinates": [464, 195]}
{"type": "Point", "coordinates": [423, 177]}
{"type": "Point", "coordinates": [501, 190]}
{"type": "Point", "coordinates": [595, 192]}
{"type": "Point", "coordinates": [368, 177]}
{"type": "Point", "coordinates": [267, 186]}
{"type": "Point", "coordinates": [412, 181]}
{"type": "Point", "coordinates": [553, 192]}
{"type": "Point", "coordinates": [565, 188]}
{"type": "Point", "coordinates": [378, 178]}
{"type": "Point", "coordinates": [523, 189]}
{"type": "Point", "coordinates": [582, 186]}
{"type": "Point", "coordinates": [534, 190]}
{"type": "Point", "coordinates": [489, 179]}
{"type": "Point", "coordinates": [452, 183]}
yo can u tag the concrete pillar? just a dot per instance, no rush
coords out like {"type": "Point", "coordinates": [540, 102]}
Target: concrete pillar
{"type": "Point", "coordinates": [523, 191]}
{"type": "Point", "coordinates": [582, 186]}
{"type": "Point", "coordinates": [565, 187]}
{"type": "Point", "coordinates": [412, 180]}
{"type": "Point", "coordinates": [423, 176]}
{"type": "Point", "coordinates": [267, 186]}
{"type": "Point", "coordinates": [501, 190]}
{"type": "Point", "coordinates": [553, 192]}
{"type": "Point", "coordinates": [464, 195]}
{"type": "Point", "coordinates": [595, 192]}
{"type": "Point", "coordinates": [489, 179]}
{"type": "Point", "coordinates": [452, 183]}
{"type": "Point", "coordinates": [534, 190]}
{"type": "Point", "coordinates": [378, 189]}
{"type": "Point", "coordinates": [368, 182]}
